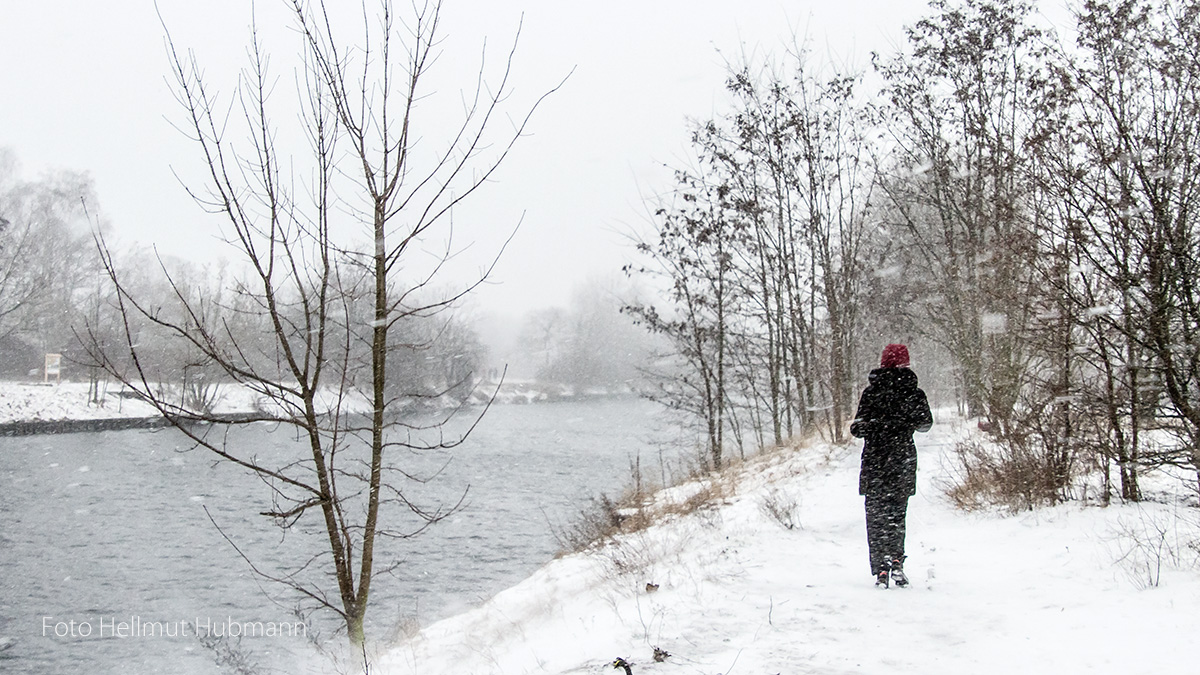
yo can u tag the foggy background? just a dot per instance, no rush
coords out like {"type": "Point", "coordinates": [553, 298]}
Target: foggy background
{"type": "Point", "coordinates": [85, 89]}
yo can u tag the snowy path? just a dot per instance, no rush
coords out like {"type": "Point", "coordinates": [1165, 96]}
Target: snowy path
{"type": "Point", "coordinates": [1036, 593]}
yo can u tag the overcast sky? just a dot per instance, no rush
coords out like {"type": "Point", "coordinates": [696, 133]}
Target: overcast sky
{"type": "Point", "coordinates": [83, 87]}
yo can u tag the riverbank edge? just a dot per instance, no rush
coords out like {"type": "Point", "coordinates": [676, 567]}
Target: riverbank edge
{"type": "Point", "coordinates": [71, 426]}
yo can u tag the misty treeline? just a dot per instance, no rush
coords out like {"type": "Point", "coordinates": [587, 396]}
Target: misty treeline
{"type": "Point", "coordinates": [588, 345]}
{"type": "Point", "coordinates": [1016, 200]}
{"type": "Point", "coordinates": [51, 280]}
{"type": "Point", "coordinates": [54, 290]}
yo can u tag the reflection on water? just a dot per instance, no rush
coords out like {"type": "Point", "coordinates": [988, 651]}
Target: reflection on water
{"type": "Point", "coordinates": [109, 530]}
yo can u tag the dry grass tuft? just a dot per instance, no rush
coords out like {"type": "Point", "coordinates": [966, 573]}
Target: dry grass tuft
{"type": "Point", "coordinates": [642, 505]}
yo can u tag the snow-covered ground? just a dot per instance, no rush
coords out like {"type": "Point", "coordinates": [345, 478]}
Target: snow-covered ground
{"type": "Point", "coordinates": [27, 402]}
{"type": "Point", "coordinates": [1059, 590]}
{"type": "Point", "coordinates": [1068, 589]}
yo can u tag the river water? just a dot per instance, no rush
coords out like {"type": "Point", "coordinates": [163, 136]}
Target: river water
{"type": "Point", "coordinates": [109, 562]}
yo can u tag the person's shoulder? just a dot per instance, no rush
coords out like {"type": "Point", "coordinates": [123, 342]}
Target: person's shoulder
{"type": "Point", "coordinates": [903, 378]}
{"type": "Point", "coordinates": [878, 380]}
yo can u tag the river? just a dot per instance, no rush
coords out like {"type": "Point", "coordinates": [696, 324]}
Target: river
{"type": "Point", "coordinates": [109, 562]}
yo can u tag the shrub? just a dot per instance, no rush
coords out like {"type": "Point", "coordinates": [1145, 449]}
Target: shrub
{"type": "Point", "coordinates": [782, 508]}
{"type": "Point", "coordinates": [1013, 471]}
{"type": "Point", "coordinates": [1155, 540]}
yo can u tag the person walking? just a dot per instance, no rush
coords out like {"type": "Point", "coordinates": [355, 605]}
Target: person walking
{"type": "Point", "coordinates": [890, 409]}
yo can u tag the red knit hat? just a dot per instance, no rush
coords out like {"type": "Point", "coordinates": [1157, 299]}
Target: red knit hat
{"type": "Point", "coordinates": [894, 356]}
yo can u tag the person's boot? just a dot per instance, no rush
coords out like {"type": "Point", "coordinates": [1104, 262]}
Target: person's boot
{"type": "Point", "coordinates": [897, 573]}
{"type": "Point", "coordinates": [881, 579]}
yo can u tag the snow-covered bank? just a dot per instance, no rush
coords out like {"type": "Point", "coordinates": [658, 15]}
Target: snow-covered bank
{"type": "Point", "coordinates": [54, 402]}
{"type": "Point", "coordinates": [26, 402]}
{"type": "Point", "coordinates": [1058, 590]}
{"type": "Point", "coordinates": [74, 401]}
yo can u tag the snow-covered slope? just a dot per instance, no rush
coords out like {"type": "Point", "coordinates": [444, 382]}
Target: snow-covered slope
{"type": "Point", "coordinates": [1041, 592]}
{"type": "Point", "coordinates": [25, 402]}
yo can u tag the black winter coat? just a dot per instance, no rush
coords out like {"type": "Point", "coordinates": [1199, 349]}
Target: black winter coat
{"type": "Point", "coordinates": [891, 408]}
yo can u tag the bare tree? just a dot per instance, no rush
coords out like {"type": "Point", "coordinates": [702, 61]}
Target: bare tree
{"type": "Point", "coordinates": [693, 254]}
{"type": "Point", "coordinates": [1129, 182]}
{"type": "Point", "coordinates": [835, 184]}
{"type": "Point", "coordinates": [963, 105]}
{"type": "Point", "coordinates": [309, 324]}
{"type": "Point", "coordinates": [45, 256]}
{"type": "Point", "coordinates": [763, 246]}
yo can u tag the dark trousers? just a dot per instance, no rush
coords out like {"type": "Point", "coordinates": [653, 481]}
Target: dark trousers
{"type": "Point", "coordinates": [885, 529]}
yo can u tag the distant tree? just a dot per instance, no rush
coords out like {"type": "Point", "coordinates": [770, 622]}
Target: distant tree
{"type": "Point", "coordinates": [323, 238]}
{"type": "Point", "coordinates": [434, 359]}
{"type": "Point", "coordinates": [46, 257]}
{"type": "Point", "coordinates": [596, 344]}
{"type": "Point", "coordinates": [543, 335]}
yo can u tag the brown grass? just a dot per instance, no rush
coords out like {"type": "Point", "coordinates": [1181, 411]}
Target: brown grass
{"type": "Point", "coordinates": [695, 491]}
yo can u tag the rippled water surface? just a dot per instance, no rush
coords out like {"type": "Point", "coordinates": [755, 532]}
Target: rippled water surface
{"type": "Point", "coordinates": [109, 528]}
